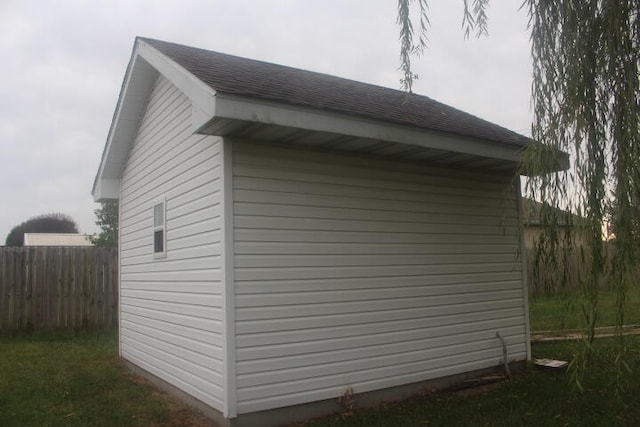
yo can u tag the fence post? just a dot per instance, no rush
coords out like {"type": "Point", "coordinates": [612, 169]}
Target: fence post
{"type": "Point", "coordinates": [99, 264]}
{"type": "Point", "coordinates": [109, 297]}
{"type": "Point", "coordinates": [20, 295]}
{"type": "Point", "coordinates": [10, 262]}
{"type": "Point", "coordinates": [63, 289]}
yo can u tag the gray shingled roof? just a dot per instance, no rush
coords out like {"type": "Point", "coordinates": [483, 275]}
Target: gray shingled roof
{"type": "Point", "coordinates": [262, 80]}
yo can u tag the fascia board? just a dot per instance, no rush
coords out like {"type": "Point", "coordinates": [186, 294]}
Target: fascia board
{"type": "Point", "coordinates": [136, 86]}
{"type": "Point", "coordinates": [248, 109]}
{"type": "Point", "coordinates": [202, 96]}
{"type": "Point", "coordinates": [144, 66]}
{"type": "Point", "coordinates": [106, 189]}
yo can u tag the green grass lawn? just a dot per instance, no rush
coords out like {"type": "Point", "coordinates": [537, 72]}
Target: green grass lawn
{"type": "Point", "coordinates": [537, 398]}
{"type": "Point", "coordinates": [557, 313]}
{"type": "Point", "coordinates": [68, 379]}
{"type": "Point", "coordinates": [75, 379]}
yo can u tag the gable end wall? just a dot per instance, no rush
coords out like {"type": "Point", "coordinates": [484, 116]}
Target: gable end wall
{"type": "Point", "coordinates": [171, 307]}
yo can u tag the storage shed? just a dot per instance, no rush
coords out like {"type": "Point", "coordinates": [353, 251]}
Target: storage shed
{"type": "Point", "coordinates": [287, 237]}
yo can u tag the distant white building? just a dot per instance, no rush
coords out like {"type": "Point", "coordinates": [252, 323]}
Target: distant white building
{"type": "Point", "coordinates": [56, 239]}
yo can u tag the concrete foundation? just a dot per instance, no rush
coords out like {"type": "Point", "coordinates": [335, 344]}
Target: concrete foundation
{"type": "Point", "coordinates": [291, 414]}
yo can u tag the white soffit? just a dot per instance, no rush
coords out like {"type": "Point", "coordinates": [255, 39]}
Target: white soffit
{"type": "Point", "coordinates": [231, 107]}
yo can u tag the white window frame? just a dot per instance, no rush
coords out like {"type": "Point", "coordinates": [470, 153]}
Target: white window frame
{"type": "Point", "coordinates": [161, 226]}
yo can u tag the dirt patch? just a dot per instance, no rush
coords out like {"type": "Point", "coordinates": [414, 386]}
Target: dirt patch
{"type": "Point", "coordinates": [178, 414]}
{"type": "Point", "coordinates": [473, 387]}
{"type": "Point", "coordinates": [181, 415]}
{"type": "Point", "coordinates": [478, 389]}
{"type": "Point", "coordinates": [187, 417]}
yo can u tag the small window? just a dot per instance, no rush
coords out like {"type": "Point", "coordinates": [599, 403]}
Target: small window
{"type": "Point", "coordinates": [159, 241]}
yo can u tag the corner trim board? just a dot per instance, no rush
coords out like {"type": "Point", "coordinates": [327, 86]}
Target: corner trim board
{"type": "Point", "coordinates": [228, 285]}
{"type": "Point", "coordinates": [523, 260]}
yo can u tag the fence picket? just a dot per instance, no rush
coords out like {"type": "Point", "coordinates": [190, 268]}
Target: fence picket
{"type": "Point", "coordinates": [57, 287]}
{"type": "Point", "coordinates": [20, 296]}
{"type": "Point", "coordinates": [77, 295]}
{"type": "Point", "coordinates": [10, 291]}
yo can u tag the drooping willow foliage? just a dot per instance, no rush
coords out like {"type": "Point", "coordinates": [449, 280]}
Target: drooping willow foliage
{"type": "Point", "coordinates": [586, 102]}
{"type": "Point", "coordinates": [586, 92]}
{"type": "Point", "coordinates": [408, 47]}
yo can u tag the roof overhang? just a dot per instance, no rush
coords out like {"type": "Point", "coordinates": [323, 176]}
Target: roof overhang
{"type": "Point", "coordinates": [145, 65]}
{"type": "Point", "coordinates": [282, 123]}
{"type": "Point", "coordinates": [217, 113]}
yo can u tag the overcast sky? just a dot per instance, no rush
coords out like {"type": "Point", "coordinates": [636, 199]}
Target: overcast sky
{"type": "Point", "coordinates": [62, 63]}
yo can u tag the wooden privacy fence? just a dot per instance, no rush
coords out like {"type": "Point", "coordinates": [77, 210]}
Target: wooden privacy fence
{"type": "Point", "coordinates": [58, 287]}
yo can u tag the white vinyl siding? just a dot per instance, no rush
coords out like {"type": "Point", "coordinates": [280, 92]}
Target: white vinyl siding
{"type": "Point", "coordinates": [366, 274]}
{"type": "Point", "coordinates": [171, 307]}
